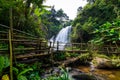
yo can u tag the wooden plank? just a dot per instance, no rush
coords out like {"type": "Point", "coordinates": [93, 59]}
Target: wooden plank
{"type": "Point", "coordinates": [80, 51]}
{"type": "Point", "coordinates": [30, 55]}
{"type": "Point", "coordinates": [17, 49]}
{"type": "Point", "coordinates": [22, 40]}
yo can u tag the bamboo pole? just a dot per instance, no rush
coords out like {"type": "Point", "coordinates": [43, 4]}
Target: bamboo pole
{"type": "Point", "coordinates": [10, 44]}
{"type": "Point", "coordinates": [11, 23]}
{"type": "Point", "coordinates": [11, 61]}
{"type": "Point", "coordinates": [57, 45]}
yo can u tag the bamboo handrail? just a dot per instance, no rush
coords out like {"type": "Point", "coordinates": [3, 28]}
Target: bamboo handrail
{"type": "Point", "coordinates": [18, 31]}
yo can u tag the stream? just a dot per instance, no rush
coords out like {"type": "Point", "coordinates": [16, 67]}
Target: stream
{"type": "Point", "coordinates": [108, 74]}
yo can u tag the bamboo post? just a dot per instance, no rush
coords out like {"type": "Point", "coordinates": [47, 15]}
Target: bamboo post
{"type": "Point", "coordinates": [72, 47]}
{"type": "Point", "coordinates": [11, 23]}
{"type": "Point", "coordinates": [10, 43]}
{"type": "Point", "coordinates": [50, 43]}
{"type": "Point", "coordinates": [11, 58]}
{"type": "Point", "coordinates": [38, 46]}
{"type": "Point", "coordinates": [57, 45]}
{"type": "Point", "coordinates": [51, 56]}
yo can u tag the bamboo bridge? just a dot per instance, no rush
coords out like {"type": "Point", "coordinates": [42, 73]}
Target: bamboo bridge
{"type": "Point", "coordinates": [25, 45]}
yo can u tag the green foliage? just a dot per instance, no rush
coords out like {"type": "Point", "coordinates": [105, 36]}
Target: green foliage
{"type": "Point", "coordinates": [27, 71]}
{"type": "Point", "coordinates": [108, 32]}
{"type": "Point", "coordinates": [94, 15]}
{"type": "Point", "coordinates": [26, 17]}
{"type": "Point", "coordinates": [115, 61]}
{"type": "Point", "coordinates": [4, 63]}
{"type": "Point", "coordinates": [32, 17]}
{"type": "Point", "coordinates": [3, 46]}
{"type": "Point", "coordinates": [63, 76]}
{"type": "Point", "coordinates": [70, 55]}
{"type": "Point", "coordinates": [100, 56]}
{"type": "Point", "coordinates": [21, 73]}
{"type": "Point", "coordinates": [73, 48]}
{"type": "Point", "coordinates": [60, 56]}
{"type": "Point", "coordinates": [84, 58]}
{"type": "Point", "coordinates": [24, 71]}
{"type": "Point", "coordinates": [21, 77]}
{"type": "Point", "coordinates": [1, 63]}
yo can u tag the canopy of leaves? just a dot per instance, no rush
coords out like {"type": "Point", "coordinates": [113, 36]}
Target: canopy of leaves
{"type": "Point", "coordinates": [92, 16]}
{"type": "Point", "coordinates": [107, 33]}
{"type": "Point", "coordinates": [26, 15]}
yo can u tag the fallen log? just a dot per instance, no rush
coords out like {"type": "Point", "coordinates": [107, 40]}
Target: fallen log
{"type": "Point", "coordinates": [66, 63]}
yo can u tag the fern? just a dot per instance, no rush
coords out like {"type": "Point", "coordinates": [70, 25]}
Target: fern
{"type": "Point", "coordinates": [21, 77]}
{"type": "Point", "coordinates": [24, 71]}
{"type": "Point", "coordinates": [15, 70]}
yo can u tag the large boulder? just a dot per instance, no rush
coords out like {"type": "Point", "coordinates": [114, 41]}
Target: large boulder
{"type": "Point", "coordinates": [76, 74]}
{"type": "Point", "coordinates": [99, 62]}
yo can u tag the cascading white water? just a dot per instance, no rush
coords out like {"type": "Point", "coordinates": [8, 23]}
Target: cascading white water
{"type": "Point", "coordinates": [63, 37]}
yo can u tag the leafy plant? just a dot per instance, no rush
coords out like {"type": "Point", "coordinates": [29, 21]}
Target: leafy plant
{"type": "Point", "coordinates": [84, 58]}
{"type": "Point", "coordinates": [1, 64]}
{"type": "Point", "coordinates": [108, 32]}
{"type": "Point", "coordinates": [115, 61]}
{"type": "Point", "coordinates": [3, 46]}
{"type": "Point", "coordinates": [4, 63]}
{"type": "Point", "coordinates": [63, 76]}
{"type": "Point", "coordinates": [71, 54]}
{"type": "Point", "coordinates": [60, 56]}
{"type": "Point", "coordinates": [25, 72]}
{"type": "Point", "coordinates": [21, 75]}
{"type": "Point", "coordinates": [101, 56]}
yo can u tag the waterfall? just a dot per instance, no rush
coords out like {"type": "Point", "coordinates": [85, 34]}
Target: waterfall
{"type": "Point", "coordinates": [62, 37]}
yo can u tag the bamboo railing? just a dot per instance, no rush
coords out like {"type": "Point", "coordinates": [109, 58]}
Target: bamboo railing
{"type": "Point", "coordinates": [88, 47]}
{"type": "Point", "coordinates": [22, 42]}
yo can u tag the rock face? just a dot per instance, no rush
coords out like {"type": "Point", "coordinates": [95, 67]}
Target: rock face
{"type": "Point", "coordinates": [102, 63]}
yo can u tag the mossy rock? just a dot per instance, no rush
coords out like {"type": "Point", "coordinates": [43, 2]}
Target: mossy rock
{"type": "Point", "coordinates": [102, 63]}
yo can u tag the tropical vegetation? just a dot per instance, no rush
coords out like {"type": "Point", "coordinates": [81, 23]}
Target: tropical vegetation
{"type": "Point", "coordinates": [98, 23]}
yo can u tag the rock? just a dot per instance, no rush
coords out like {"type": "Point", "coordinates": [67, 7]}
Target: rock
{"type": "Point", "coordinates": [76, 74]}
{"type": "Point", "coordinates": [84, 76]}
{"type": "Point", "coordinates": [73, 74]}
{"type": "Point", "coordinates": [102, 63]}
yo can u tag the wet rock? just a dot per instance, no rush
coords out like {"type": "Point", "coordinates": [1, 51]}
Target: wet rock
{"type": "Point", "coordinates": [84, 76]}
{"type": "Point", "coordinates": [76, 74]}
{"type": "Point", "coordinates": [73, 74]}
